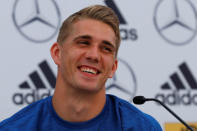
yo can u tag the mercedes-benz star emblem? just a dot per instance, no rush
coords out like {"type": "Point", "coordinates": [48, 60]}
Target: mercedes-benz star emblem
{"type": "Point", "coordinates": [176, 21]}
{"type": "Point", "coordinates": [37, 23]}
{"type": "Point", "coordinates": [124, 83]}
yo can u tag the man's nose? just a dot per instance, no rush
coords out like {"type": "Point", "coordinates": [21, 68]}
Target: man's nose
{"type": "Point", "coordinates": [93, 54]}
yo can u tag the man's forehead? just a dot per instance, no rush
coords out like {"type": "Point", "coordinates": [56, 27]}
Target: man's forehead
{"type": "Point", "coordinates": [94, 29]}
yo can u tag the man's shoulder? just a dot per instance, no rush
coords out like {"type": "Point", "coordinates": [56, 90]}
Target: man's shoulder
{"type": "Point", "coordinates": [27, 113]}
{"type": "Point", "coordinates": [130, 115]}
{"type": "Point", "coordinates": [125, 106]}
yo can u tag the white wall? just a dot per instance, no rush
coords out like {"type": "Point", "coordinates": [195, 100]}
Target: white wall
{"type": "Point", "coordinates": [149, 55]}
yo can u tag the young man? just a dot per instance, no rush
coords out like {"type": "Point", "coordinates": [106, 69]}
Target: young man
{"type": "Point", "coordinates": [86, 56]}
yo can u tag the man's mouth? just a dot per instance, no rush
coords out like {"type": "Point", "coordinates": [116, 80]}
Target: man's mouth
{"type": "Point", "coordinates": [88, 69]}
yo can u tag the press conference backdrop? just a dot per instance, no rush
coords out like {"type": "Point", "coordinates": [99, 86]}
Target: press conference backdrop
{"type": "Point", "coordinates": [157, 57]}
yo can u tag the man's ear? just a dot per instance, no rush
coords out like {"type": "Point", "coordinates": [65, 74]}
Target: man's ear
{"type": "Point", "coordinates": [56, 53]}
{"type": "Point", "coordinates": [114, 68]}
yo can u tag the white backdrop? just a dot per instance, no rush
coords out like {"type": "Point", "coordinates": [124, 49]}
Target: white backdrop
{"type": "Point", "coordinates": [158, 49]}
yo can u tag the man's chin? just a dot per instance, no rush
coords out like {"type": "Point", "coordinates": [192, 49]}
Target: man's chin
{"type": "Point", "coordinates": [90, 89]}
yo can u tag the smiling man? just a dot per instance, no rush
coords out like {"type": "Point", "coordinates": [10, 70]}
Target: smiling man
{"type": "Point", "coordinates": [86, 56]}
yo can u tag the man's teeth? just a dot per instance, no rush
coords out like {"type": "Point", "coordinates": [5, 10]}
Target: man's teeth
{"type": "Point", "coordinates": [89, 70]}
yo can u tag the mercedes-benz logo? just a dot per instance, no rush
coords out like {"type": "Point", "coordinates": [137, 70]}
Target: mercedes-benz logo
{"type": "Point", "coordinates": [37, 23]}
{"type": "Point", "coordinates": [124, 83]}
{"type": "Point", "coordinates": [176, 21]}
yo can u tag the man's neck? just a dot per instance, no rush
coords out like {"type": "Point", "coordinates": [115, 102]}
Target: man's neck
{"type": "Point", "coordinates": [78, 106]}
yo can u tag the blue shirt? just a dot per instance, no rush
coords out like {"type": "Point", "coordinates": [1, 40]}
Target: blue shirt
{"type": "Point", "coordinates": [117, 115]}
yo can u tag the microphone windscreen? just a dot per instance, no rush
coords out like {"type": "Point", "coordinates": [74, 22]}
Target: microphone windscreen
{"type": "Point", "coordinates": [139, 100]}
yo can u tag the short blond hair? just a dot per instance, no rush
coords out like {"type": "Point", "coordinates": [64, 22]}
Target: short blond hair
{"type": "Point", "coordinates": [97, 12]}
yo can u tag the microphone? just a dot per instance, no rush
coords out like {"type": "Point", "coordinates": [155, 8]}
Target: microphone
{"type": "Point", "coordinates": [139, 100]}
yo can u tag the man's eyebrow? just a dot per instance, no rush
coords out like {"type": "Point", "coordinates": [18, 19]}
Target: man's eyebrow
{"type": "Point", "coordinates": [89, 37]}
{"type": "Point", "coordinates": [83, 37]}
{"type": "Point", "coordinates": [109, 44]}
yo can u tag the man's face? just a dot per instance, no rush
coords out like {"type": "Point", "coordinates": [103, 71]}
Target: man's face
{"type": "Point", "coordinates": [87, 57]}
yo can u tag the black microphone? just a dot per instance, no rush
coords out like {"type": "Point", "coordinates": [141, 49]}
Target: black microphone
{"type": "Point", "coordinates": [141, 100]}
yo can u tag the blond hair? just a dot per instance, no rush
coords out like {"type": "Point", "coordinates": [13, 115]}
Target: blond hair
{"type": "Point", "coordinates": [97, 12]}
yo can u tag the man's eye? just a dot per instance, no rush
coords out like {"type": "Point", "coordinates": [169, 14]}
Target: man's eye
{"type": "Point", "coordinates": [107, 49]}
{"type": "Point", "coordinates": [83, 42]}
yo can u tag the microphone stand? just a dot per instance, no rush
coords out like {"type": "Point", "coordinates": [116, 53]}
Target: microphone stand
{"type": "Point", "coordinates": [151, 99]}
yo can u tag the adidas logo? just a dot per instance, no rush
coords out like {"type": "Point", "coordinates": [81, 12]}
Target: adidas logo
{"type": "Point", "coordinates": [111, 4]}
{"type": "Point", "coordinates": [28, 94]}
{"type": "Point", "coordinates": [184, 91]}
{"type": "Point", "coordinates": [126, 34]}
